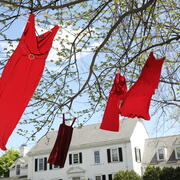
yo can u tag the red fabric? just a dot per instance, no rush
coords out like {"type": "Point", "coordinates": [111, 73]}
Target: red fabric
{"type": "Point", "coordinates": [111, 115]}
{"type": "Point", "coordinates": [59, 152]}
{"type": "Point", "coordinates": [137, 100]}
{"type": "Point", "coordinates": [21, 76]}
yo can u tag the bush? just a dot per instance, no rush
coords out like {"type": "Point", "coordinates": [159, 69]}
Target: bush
{"type": "Point", "coordinates": [152, 173]}
{"type": "Point", "coordinates": [177, 173]}
{"type": "Point", "coordinates": [127, 175]}
{"type": "Point", "coordinates": [167, 173]}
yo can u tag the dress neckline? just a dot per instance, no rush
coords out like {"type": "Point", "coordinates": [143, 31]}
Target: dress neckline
{"type": "Point", "coordinates": [38, 38]}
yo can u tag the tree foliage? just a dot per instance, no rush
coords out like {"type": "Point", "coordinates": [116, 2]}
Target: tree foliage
{"type": "Point", "coordinates": [98, 39]}
{"type": "Point", "coordinates": [6, 160]}
{"type": "Point", "coordinates": [166, 173]}
{"type": "Point", "coordinates": [127, 175]}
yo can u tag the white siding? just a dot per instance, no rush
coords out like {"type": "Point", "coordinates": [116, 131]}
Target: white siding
{"type": "Point", "coordinates": [88, 168]}
{"type": "Point", "coordinates": [138, 140]}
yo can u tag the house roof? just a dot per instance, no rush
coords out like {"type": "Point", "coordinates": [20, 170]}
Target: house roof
{"type": "Point", "coordinates": [151, 146]}
{"type": "Point", "coordinates": [88, 136]}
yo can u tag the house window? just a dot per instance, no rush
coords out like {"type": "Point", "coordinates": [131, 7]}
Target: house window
{"type": "Point", "coordinates": [114, 155]}
{"type": "Point", "coordinates": [103, 177]}
{"type": "Point", "coordinates": [177, 150]}
{"type": "Point", "coordinates": [76, 178]}
{"type": "Point", "coordinates": [138, 155]}
{"type": "Point", "coordinates": [98, 178]}
{"type": "Point", "coordinates": [160, 154]}
{"type": "Point", "coordinates": [111, 176]}
{"type": "Point", "coordinates": [56, 166]}
{"type": "Point", "coordinates": [18, 169]}
{"type": "Point", "coordinates": [96, 157]}
{"type": "Point", "coordinates": [50, 166]}
{"type": "Point", "coordinates": [41, 164]}
{"type": "Point", "coordinates": [75, 158]}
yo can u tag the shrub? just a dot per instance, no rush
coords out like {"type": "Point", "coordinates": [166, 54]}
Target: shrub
{"type": "Point", "coordinates": [177, 173]}
{"type": "Point", "coordinates": [167, 173]}
{"type": "Point", "coordinates": [152, 173]}
{"type": "Point", "coordinates": [127, 175]}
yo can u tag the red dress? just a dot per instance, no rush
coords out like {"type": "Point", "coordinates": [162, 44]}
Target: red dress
{"type": "Point", "coordinates": [137, 100]}
{"type": "Point", "coordinates": [111, 115]}
{"type": "Point", "coordinates": [59, 152]}
{"type": "Point", "coordinates": [21, 76]}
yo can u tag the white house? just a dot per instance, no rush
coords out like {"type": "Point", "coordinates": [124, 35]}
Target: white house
{"type": "Point", "coordinates": [19, 168]}
{"type": "Point", "coordinates": [162, 152]}
{"type": "Point", "coordinates": [94, 154]}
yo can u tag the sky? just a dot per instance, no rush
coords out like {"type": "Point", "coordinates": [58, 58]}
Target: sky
{"type": "Point", "coordinates": [16, 140]}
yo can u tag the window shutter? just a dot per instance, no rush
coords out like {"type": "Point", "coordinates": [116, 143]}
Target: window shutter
{"type": "Point", "coordinates": [80, 157]}
{"type": "Point", "coordinates": [110, 177]}
{"type": "Point", "coordinates": [36, 164]}
{"type": "Point", "coordinates": [108, 155]}
{"type": "Point", "coordinates": [135, 154]}
{"type": "Point", "coordinates": [103, 177]}
{"type": "Point", "coordinates": [50, 166]}
{"type": "Point", "coordinates": [140, 155]}
{"type": "Point", "coordinates": [45, 163]}
{"type": "Point", "coordinates": [120, 154]}
{"type": "Point", "coordinates": [70, 158]}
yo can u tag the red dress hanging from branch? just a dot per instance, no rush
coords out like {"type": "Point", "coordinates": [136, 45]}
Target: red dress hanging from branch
{"type": "Point", "coordinates": [111, 115]}
{"type": "Point", "coordinates": [137, 100]}
{"type": "Point", "coordinates": [21, 76]}
{"type": "Point", "coordinates": [59, 152]}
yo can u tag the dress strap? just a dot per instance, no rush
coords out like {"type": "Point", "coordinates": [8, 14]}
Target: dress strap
{"type": "Point", "coordinates": [73, 121]}
{"type": "Point", "coordinates": [30, 22]}
{"type": "Point", "coordinates": [63, 118]}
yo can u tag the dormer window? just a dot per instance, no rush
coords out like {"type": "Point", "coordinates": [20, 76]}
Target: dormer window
{"type": "Point", "coordinates": [177, 151]}
{"type": "Point", "coordinates": [161, 153]}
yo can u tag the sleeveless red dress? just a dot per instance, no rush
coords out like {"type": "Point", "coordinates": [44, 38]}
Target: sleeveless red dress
{"type": "Point", "coordinates": [111, 115]}
{"type": "Point", "coordinates": [59, 152]}
{"type": "Point", "coordinates": [137, 100]}
{"type": "Point", "coordinates": [21, 76]}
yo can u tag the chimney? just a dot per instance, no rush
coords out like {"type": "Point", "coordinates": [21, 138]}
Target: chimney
{"type": "Point", "coordinates": [23, 150]}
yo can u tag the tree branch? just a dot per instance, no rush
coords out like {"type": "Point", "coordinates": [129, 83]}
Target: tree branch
{"type": "Point", "coordinates": [105, 41]}
{"type": "Point", "coordinates": [49, 6]}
